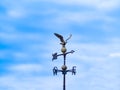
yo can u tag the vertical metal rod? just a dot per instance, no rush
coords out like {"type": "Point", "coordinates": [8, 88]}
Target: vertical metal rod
{"type": "Point", "coordinates": [64, 75]}
{"type": "Point", "coordinates": [64, 59]}
{"type": "Point", "coordinates": [64, 79]}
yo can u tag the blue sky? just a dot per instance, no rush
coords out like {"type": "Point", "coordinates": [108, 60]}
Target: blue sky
{"type": "Point", "coordinates": [27, 43]}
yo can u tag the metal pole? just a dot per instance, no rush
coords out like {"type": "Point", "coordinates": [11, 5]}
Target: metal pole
{"type": "Point", "coordinates": [64, 59]}
{"type": "Point", "coordinates": [64, 74]}
{"type": "Point", "coordinates": [64, 79]}
{"type": "Point", "coordinates": [64, 53]}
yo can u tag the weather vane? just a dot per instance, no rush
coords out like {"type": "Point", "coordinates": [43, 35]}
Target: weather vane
{"type": "Point", "coordinates": [64, 69]}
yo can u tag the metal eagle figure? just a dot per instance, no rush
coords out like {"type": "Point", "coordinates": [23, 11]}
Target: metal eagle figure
{"type": "Point", "coordinates": [63, 42]}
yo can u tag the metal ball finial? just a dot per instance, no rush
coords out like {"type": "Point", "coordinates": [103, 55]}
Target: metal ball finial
{"type": "Point", "coordinates": [64, 67]}
{"type": "Point", "coordinates": [63, 49]}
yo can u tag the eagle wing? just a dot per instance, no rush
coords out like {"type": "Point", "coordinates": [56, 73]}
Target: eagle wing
{"type": "Point", "coordinates": [59, 36]}
{"type": "Point", "coordinates": [69, 37]}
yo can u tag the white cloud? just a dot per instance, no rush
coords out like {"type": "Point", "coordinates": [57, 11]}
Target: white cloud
{"type": "Point", "coordinates": [25, 68]}
{"type": "Point", "coordinates": [29, 83]}
{"type": "Point", "coordinates": [62, 18]}
{"type": "Point", "coordinates": [16, 14]}
{"type": "Point", "coordinates": [20, 36]}
{"type": "Point", "coordinates": [66, 18]}
{"type": "Point", "coordinates": [21, 55]}
{"type": "Point", "coordinates": [115, 54]}
{"type": "Point", "coordinates": [108, 5]}
{"type": "Point", "coordinates": [98, 4]}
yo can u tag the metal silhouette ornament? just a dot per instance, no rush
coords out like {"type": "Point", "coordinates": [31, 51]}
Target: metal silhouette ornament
{"type": "Point", "coordinates": [64, 53]}
{"type": "Point", "coordinates": [55, 55]}
{"type": "Point", "coordinates": [63, 42]}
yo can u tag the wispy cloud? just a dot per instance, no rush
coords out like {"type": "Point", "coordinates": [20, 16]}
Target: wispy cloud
{"type": "Point", "coordinates": [31, 83]}
{"type": "Point", "coordinates": [25, 68]}
{"type": "Point", "coordinates": [115, 54]}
